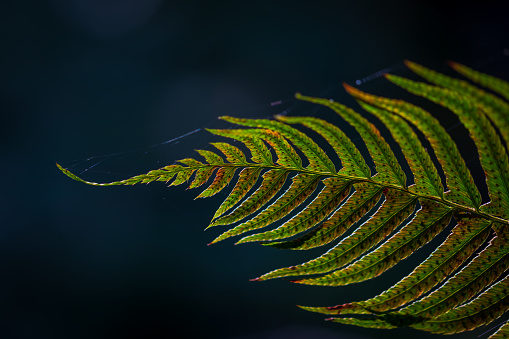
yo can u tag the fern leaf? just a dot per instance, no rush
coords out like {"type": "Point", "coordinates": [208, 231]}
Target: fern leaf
{"type": "Point", "coordinates": [190, 162]}
{"type": "Point", "coordinates": [480, 272]}
{"type": "Point", "coordinates": [211, 157]}
{"type": "Point", "coordinates": [492, 154]}
{"type": "Point", "coordinates": [246, 181]}
{"type": "Point", "coordinates": [272, 182]}
{"type": "Point", "coordinates": [495, 84]}
{"type": "Point", "coordinates": [462, 189]}
{"type": "Point", "coordinates": [496, 108]}
{"type": "Point", "coordinates": [358, 204]}
{"type": "Point", "coordinates": [335, 191]}
{"type": "Point", "coordinates": [182, 177]}
{"type": "Point", "coordinates": [465, 238]}
{"type": "Point", "coordinates": [302, 187]}
{"type": "Point", "coordinates": [389, 170]}
{"type": "Point", "coordinates": [395, 209]}
{"type": "Point", "coordinates": [452, 290]}
{"type": "Point", "coordinates": [259, 152]}
{"type": "Point", "coordinates": [318, 160]}
{"type": "Point", "coordinates": [232, 153]}
{"type": "Point", "coordinates": [201, 176]}
{"type": "Point", "coordinates": [428, 222]}
{"type": "Point", "coordinates": [427, 180]}
{"type": "Point", "coordinates": [351, 159]}
{"type": "Point", "coordinates": [482, 310]}
{"type": "Point", "coordinates": [223, 177]}
{"type": "Point", "coordinates": [287, 157]}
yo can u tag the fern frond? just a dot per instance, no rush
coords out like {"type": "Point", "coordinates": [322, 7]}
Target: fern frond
{"type": "Point", "coordinates": [376, 218]}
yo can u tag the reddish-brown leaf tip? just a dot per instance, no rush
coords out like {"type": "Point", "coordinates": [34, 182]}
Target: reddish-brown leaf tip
{"type": "Point", "coordinates": [452, 64]}
{"type": "Point", "coordinates": [348, 88]}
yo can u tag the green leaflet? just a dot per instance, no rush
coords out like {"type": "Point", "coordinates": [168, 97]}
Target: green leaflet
{"type": "Point", "coordinates": [427, 180]}
{"type": "Point", "coordinates": [191, 162]}
{"type": "Point", "coordinates": [335, 191]}
{"type": "Point", "coordinates": [358, 204]}
{"type": "Point", "coordinates": [487, 307]}
{"type": "Point", "coordinates": [302, 187]}
{"type": "Point", "coordinates": [285, 153]}
{"type": "Point", "coordinates": [211, 157]}
{"type": "Point", "coordinates": [496, 108]}
{"type": "Point", "coordinates": [259, 152]}
{"type": "Point", "coordinates": [232, 153]}
{"type": "Point", "coordinates": [272, 182]}
{"type": "Point", "coordinates": [389, 170]}
{"type": "Point", "coordinates": [164, 174]}
{"type": "Point", "coordinates": [201, 176]}
{"type": "Point", "coordinates": [351, 159]}
{"type": "Point", "coordinates": [451, 291]}
{"type": "Point", "coordinates": [247, 179]}
{"type": "Point", "coordinates": [492, 154]}
{"type": "Point", "coordinates": [428, 222]}
{"type": "Point", "coordinates": [223, 177]}
{"type": "Point", "coordinates": [480, 272]}
{"type": "Point", "coordinates": [461, 186]}
{"type": "Point", "coordinates": [497, 85]}
{"type": "Point", "coordinates": [318, 160]}
{"type": "Point", "coordinates": [465, 238]}
{"type": "Point", "coordinates": [395, 209]}
{"type": "Point", "coordinates": [184, 176]}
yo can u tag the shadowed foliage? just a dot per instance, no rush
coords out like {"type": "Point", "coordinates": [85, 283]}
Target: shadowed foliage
{"type": "Point", "coordinates": [376, 218]}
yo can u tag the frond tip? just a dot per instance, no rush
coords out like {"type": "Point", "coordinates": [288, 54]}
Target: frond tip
{"type": "Point", "coordinates": [376, 217]}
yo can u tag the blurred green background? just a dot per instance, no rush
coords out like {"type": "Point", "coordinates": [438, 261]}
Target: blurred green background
{"type": "Point", "coordinates": [80, 79]}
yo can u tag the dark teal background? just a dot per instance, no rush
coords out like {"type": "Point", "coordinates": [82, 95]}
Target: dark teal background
{"type": "Point", "coordinates": [81, 79]}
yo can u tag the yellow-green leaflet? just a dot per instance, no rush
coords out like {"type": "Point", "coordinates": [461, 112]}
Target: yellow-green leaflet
{"type": "Point", "coordinates": [496, 108]}
{"type": "Point", "coordinates": [358, 204]}
{"type": "Point", "coordinates": [492, 153]}
{"type": "Point", "coordinates": [497, 85]}
{"type": "Point", "coordinates": [462, 189]}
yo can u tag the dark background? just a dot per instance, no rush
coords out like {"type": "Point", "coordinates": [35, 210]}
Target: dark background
{"type": "Point", "coordinates": [81, 79]}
